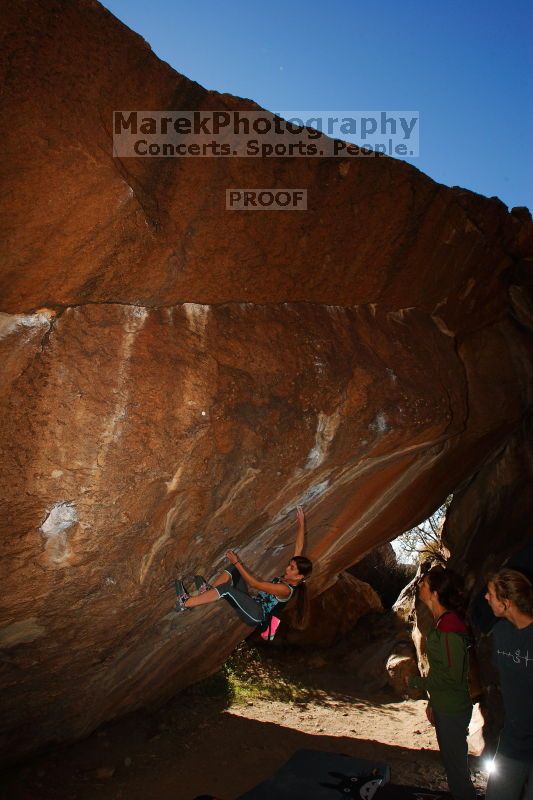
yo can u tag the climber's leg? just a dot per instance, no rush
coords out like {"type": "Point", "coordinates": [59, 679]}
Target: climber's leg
{"type": "Point", "coordinates": [222, 578]}
{"type": "Point", "coordinates": [202, 599]}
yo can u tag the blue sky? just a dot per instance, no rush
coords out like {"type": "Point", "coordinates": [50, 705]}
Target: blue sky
{"type": "Point", "coordinates": [467, 67]}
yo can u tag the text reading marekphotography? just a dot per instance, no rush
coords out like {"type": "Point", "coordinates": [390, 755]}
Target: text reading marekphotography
{"type": "Point", "coordinates": [261, 134]}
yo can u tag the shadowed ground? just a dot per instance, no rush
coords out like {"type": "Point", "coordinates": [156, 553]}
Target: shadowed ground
{"type": "Point", "coordinates": [197, 744]}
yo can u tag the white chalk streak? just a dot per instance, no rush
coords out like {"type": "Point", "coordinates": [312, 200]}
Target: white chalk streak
{"type": "Point", "coordinates": [9, 323]}
{"type": "Point", "coordinates": [326, 428]}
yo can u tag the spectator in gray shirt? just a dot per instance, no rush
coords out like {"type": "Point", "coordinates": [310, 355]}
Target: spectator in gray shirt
{"type": "Point", "coordinates": [510, 596]}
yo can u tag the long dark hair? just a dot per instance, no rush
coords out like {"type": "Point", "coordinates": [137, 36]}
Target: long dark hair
{"type": "Point", "coordinates": [449, 587]}
{"type": "Point", "coordinates": [300, 618]}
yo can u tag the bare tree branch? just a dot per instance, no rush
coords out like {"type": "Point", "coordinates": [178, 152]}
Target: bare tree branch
{"type": "Point", "coordinates": [425, 539]}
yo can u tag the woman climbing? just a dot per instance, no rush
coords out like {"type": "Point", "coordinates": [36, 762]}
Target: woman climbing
{"type": "Point", "coordinates": [450, 705]}
{"type": "Point", "coordinates": [233, 585]}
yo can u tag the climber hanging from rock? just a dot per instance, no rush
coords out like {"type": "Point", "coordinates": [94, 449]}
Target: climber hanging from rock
{"type": "Point", "coordinates": [259, 611]}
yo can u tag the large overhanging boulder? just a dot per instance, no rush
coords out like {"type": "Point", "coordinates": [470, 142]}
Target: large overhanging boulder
{"type": "Point", "coordinates": [178, 377]}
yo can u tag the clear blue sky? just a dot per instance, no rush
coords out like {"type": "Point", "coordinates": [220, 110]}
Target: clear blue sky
{"type": "Point", "coordinates": [465, 66]}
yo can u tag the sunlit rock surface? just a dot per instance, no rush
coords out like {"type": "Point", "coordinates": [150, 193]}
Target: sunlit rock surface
{"type": "Point", "coordinates": [490, 516]}
{"type": "Point", "coordinates": [177, 377]}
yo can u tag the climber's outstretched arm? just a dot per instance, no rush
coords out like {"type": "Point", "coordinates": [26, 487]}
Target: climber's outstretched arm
{"type": "Point", "coordinates": [278, 589]}
{"type": "Point", "coordinates": [300, 531]}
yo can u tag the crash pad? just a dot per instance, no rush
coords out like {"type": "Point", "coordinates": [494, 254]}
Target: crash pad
{"type": "Point", "coordinates": [316, 775]}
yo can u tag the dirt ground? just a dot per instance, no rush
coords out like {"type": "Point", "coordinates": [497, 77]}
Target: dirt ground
{"type": "Point", "coordinates": [202, 743]}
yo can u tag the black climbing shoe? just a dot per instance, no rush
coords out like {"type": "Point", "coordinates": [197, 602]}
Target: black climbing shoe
{"type": "Point", "coordinates": [180, 588]}
{"type": "Point", "coordinates": [180, 604]}
{"type": "Point", "coordinates": [201, 584]}
{"type": "Point", "coordinates": [182, 596]}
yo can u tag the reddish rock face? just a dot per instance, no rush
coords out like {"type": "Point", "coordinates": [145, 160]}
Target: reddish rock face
{"type": "Point", "coordinates": [176, 377]}
{"type": "Point", "coordinates": [489, 519]}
